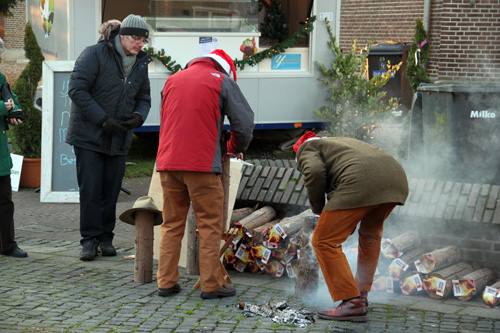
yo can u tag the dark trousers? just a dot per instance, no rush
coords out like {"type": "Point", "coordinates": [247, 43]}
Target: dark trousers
{"type": "Point", "coordinates": [100, 179]}
{"type": "Point", "coordinates": [7, 242]}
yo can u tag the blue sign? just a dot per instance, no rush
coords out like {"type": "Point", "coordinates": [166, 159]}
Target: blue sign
{"type": "Point", "coordinates": [286, 61]}
{"type": "Point", "coordinates": [378, 73]}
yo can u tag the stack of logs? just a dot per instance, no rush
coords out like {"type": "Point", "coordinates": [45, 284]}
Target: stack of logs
{"type": "Point", "coordinates": [265, 244]}
{"type": "Point", "coordinates": [282, 247]}
{"type": "Point", "coordinates": [408, 269]}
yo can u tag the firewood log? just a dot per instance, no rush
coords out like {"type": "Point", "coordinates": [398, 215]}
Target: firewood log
{"type": "Point", "coordinates": [491, 294]}
{"type": "Point", "coordinates": [395, 247]}
{"type": "Point", "coordinates": [258, 218]}
{"type": "Point", "coordinates": [411, 284]}
{"type": "Point", "coordinates": [438, 284]}
{"type": "Point", "coordinates": [477, 281]}
{"type": "Point", "coordinates": [438, 258]}
{"type": "Point", "coordinates": [306, 279]}
{"type": "Point", "coordinates": [404, 263]}
{"type": "Point", "coordinates": [240, 213]}
{"type": "Point", "coordinates": [294, 224]}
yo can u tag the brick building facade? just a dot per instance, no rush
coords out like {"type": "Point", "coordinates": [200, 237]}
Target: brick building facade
{"type": "Point", "coordinates": [14, 26]}
{"type": "Point", "coordinates": [464, 35]}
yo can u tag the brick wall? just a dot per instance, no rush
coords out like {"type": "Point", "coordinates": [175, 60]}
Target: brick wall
{"type": "Point", "coordinates": [464, 40]}
{"type": "Point", "coordinates": [14, 26]}
{"type": "Point", "coordinates": [390, 20]}
{"type": "Point", "coordinates": [468, 40]}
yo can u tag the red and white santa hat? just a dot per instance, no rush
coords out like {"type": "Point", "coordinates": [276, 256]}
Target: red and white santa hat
{"type": "Point", "coordinates": [309, 135]}
{"type": "Point", "coordinates": [224, 60]}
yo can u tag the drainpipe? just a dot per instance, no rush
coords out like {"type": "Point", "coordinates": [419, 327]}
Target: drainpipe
{"type": "Point", "coordinates": [427, 15]}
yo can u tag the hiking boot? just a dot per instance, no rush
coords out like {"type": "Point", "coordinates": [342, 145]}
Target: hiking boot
{"type": "Point", "coordinates": [107, 249]}
{"type": "Point", "coordinates": [169, 291]}
{"type": "Point", "coordinates": [89, 250]}
{"type": "Point", "coordinates": [221, 292]}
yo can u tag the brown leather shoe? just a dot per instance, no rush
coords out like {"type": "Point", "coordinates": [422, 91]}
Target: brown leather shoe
{"type": "Point", "coordinates": [353, 310]}
{"type": "Point", "coordinates": [364, 295]}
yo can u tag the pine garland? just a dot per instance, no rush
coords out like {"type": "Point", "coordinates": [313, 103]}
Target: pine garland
{"type": "Point", "coordinates": [165, 59]}
{"type": "Point", "coordinates": [250, 61]}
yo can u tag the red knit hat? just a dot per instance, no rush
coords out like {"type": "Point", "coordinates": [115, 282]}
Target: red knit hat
{"type": "Point", "coordinates": [224, 60]}
{"type": "Point", "coordinates": [308, 135]}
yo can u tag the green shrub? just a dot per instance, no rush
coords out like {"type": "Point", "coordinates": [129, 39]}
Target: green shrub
{"type": "Point", "coordinates": [356, 102]}
{"type": "Point", "coordinates": [415, 70]}
{"type": "Point", "coordinates": [27, 137]}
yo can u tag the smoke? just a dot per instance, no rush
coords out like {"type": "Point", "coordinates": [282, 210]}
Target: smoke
{"type": "Point", "coordinates": [457, 133]}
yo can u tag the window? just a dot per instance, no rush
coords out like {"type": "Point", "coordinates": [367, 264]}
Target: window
{"type": "Point", "coordinates": [203, 16]}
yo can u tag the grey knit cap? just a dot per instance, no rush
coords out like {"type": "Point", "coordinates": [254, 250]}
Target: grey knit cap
{"type": "Point", "coordinates": [134, 25]}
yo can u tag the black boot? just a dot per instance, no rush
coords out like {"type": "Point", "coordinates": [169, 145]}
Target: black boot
{"type": "Point", "coordinates": [89, 250]}
{"type": "Point", "coordinates": [107, 249]}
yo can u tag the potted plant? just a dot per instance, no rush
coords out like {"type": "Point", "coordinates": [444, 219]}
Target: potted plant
{"type": "Point", "coordinates": [27, 137]}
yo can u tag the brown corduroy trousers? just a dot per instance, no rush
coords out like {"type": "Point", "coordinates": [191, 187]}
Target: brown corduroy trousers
{"type": "Point", "coordinates": [334, 226]}
{"type": "Point", "coordinates": [204, 190]}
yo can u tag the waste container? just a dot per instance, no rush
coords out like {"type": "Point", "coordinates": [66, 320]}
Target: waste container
{"type": "Point", "coordinates": [461, 132]}
{"type": "Point", "coordinates": [399, 85]}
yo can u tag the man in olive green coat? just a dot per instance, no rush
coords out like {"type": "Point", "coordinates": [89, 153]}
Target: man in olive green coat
{"type": "Point", "coordinates": [363, 184]}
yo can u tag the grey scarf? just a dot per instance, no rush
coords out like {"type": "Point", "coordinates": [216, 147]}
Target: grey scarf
{"type": "Point", "coordinates": [128, 61]}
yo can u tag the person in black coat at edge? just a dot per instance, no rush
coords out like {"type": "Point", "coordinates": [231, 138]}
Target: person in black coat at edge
{"type": "Point", "coordinates": [110, 92]}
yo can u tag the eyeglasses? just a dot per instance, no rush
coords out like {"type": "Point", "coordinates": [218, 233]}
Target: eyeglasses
{"type": "Point", "coordinates": [139, 40]}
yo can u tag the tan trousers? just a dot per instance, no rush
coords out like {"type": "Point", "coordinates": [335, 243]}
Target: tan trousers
{"type": "Point", "coordinates": [205, 191]}
{"type": "Point", "coordinates": [334, 226]}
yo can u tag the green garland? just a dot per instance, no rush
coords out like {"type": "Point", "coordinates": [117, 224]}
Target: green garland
{"type": "Point", "coordinates": [252, 60]}
{"type": "Point", "coordinates": [165, 59]}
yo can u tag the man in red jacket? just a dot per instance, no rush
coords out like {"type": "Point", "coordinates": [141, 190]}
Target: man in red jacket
{"type": "Point", "coordinates": [195, 102]}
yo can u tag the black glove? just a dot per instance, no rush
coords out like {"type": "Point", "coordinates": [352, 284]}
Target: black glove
{"type": "Point", "coordinates": [18, 114]}
{"type": "Point", "coordinates": [113, 126]}
{"type": "Point", "coordinates": [134, 120]}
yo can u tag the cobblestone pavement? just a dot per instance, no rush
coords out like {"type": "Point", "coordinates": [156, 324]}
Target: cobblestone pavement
{"type": "Point", "coordinates": [53, 291]}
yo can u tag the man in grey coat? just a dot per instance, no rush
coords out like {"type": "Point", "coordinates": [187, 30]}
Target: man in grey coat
{"type": "Point", "coordinates": [110, 91]}
{"type": "Point", "coordinates": [363, 184]}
